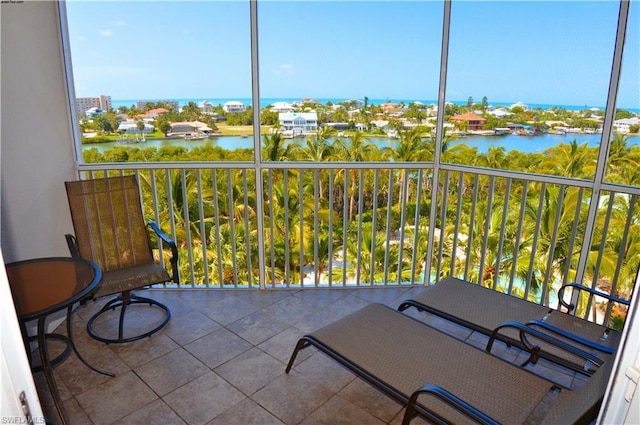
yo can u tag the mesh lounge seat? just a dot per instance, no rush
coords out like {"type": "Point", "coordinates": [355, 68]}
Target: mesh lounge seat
{"type": "Point", "coordinates": [110, 231]}
{"type": "Point", "coordinates": [484, 310]}
{"type": "Point", "coordinates": [445, 380]}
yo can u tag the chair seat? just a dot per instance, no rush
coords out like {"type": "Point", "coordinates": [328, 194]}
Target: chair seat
{"type": "Point", "coordinates": [127, 279]}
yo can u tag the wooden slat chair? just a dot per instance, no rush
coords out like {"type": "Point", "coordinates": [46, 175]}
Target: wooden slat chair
{"type": "Point", "coordinates": [486, 311]}
{"type": "Point", "coordinates": [110, 231]}
{"type": "Point", "coordinates": [444, 380]}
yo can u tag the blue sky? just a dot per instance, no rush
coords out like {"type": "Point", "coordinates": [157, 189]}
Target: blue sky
{"type": "Point", "coordinates": [536, 52]}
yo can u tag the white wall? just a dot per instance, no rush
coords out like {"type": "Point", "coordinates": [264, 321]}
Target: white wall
{"type": "Point", "coordinates": [37, 153]}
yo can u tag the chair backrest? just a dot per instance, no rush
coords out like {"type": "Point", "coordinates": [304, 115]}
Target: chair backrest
{"type": "Point", "coordinates": [109, 225]}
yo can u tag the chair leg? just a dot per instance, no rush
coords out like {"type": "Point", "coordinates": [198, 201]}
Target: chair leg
{"type": "Point", "coordinates": [123, 301]}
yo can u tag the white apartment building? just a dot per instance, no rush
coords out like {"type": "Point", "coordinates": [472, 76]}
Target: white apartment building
{"type": "Point", "coordinates": [83, 104]}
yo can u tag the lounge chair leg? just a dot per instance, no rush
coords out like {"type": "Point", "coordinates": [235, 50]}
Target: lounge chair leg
{"type": "Point", "coordinates": [409, 411]}
{"type": "Point", "coordinates": [121, 321]}
{"type": "Point", "coordinates": [533, 356]}
{"type": "Point", "coordinates": [403, 306]}
{"type": "Point", "coordinates": [302, 343]}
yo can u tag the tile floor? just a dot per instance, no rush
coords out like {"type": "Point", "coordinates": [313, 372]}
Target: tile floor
{"type": "Point", "coordinates": [221, 360]}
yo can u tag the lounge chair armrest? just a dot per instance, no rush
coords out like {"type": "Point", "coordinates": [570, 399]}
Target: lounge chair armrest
{"type": "Point", "coordinates": [174, 249]}
{"type": "Point", "coordinates": [526, 331]}
{"type": "Point", "coordinates": [448, 398]}
{"type": "Point", "coordinates": [592, 291]}
{"type": "Point", "coordinates": [561, 332]}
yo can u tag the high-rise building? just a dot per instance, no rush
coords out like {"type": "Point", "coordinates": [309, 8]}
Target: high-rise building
{"type": "Point", "coordinates": [83, 104]}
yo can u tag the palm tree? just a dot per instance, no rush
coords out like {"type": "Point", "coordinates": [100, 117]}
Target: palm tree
{"type": "Point", "coordinates": [494, 158]}
{"type": "Point", "coordinates": [275, 148]}
{"type": "Point", "coordinates": [622, 161]}
{"type": "Point", "coordinates": [411, 147]}
{"type": "Point", "coordinates": [319, 150]}
{"type": "Point", "coordinates": [358, 149]}
{"type": "Point", "coordinates": [569, 160]}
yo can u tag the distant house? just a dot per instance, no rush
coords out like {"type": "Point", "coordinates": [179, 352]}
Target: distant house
{"type": "Point", "coordinates": [298, 122]}
{"type": "Point", "coordinates": [381, 124]}
{"type": "Point", "coordinates": [189, 128]}
{"type": "Point", "coordinates": [206, 106]}
{"type": "Point", "coordinates": [92, 112]}
{"type": "Point", "coordinates": [233, 106]}
{"type": "Point", "coordinates": [355, 103]}
{"type": "Point", "coordinates": [281, 107]}
{"type": "Point", "coordinates": [622, 125]}
{"type": "Point", "coordinates": [131, 127]}
{"type": "Point", "coordinates": [390, 107]}
{"type": "Point", "coordinates": [475, 122]}
{"type": "Point", "coordinates": [152, 114]}
{"type": "Point", "coordinates": [499, 112]}
{"type": "Point", "coordinates": [338, 125]}
{"type": "Point", "coordinates": [308, 101]}
{"type": "Point", "coordinates": [520, 105]}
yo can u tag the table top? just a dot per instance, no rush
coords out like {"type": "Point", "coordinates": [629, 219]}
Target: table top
{"type": "Point", "coordinates": [42, 286]}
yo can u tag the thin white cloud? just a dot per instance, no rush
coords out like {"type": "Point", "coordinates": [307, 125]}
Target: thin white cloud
{"type": "Point", "coordinates": [285, 69]}
{"type": "Point", "coordinates": [93, 53]}
{"type": "Point", "coordinates": [80, 38]}
{"type": "Point", "coordinates": [119, 23]}
{"type": "Point", "coordinates": [105, 33]}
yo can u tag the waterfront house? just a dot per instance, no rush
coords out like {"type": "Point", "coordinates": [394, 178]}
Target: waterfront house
{"type": "Point", "coordinates": [131, 127]}
{"type": "Point", "coordinates": [189, 128]}
{"type": "Point", "coordinates": [298, 122]}
{"type": "Point", "coordinates": [475, 122]}
{"type": "Point", "coordinates": [623, 125]}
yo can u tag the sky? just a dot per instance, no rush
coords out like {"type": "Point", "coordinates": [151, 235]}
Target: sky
{"type": "Point", "coordinates": [539, 52]}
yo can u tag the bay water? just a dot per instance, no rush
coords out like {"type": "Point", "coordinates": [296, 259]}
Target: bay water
{"type": "Point", "coordinates": [527, 144]}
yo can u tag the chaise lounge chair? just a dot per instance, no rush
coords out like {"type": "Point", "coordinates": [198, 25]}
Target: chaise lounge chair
{"type": "Point", "coordinates": [444, 380]}
{"type": "Point", "coordinates": [487, 311]}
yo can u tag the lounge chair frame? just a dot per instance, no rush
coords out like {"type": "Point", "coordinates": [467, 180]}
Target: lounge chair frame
{"type": "Point", "coordinates": [532, 315]}
{"type": "Point", "coordinates": [344, 339]}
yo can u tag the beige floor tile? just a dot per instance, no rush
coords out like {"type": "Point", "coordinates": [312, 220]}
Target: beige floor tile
{"type": "Point", "coordinates": [338, 411]}
{"type": "Point", "coordinates": [326, 371]}
{"type": "Point", "coordinates": [247, 412]}
{"type": "Point", "coordinates": [171, 371]}
{"type": "Point", "coordinates": [156, 412]}
{"type": "Point", "coordinates": [218, 347]}
{"type": "Point", "coordinates": [292, 397]}
{"type": "Point", "coordinates": [116, 398]}
{"type": "Point", "coordinates": [257, 327]}
{"type": "Point", "coordinates": [281, 345]}
{"type": "Point", "coordinates": [370, 399]}
{"type": "Point", "coordinates": [189, 327]}
{"type": "Point", "coordinates": [251, 370]}
{"type": "Point", "coordinates": [204, 398]}
{"type": "Point", "coordinates": [143, 351]}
